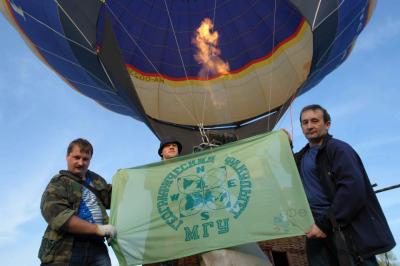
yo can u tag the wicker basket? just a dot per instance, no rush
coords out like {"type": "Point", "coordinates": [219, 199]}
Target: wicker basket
{"type": "Point", "coordinates": [294, 247]}
{"type": "Point", "coordinates": [189, 261]}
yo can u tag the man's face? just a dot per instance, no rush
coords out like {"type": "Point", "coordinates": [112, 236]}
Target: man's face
{"type": "Point", "coordinates": [313, 126]}
{"type": "Point", "coordinates": [170, 150]}
{"type": "Point", "coordinates": [78, 161]}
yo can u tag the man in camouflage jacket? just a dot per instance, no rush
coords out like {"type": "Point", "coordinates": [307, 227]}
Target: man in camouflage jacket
{"type": "Point", "coordinates": [71, 238]}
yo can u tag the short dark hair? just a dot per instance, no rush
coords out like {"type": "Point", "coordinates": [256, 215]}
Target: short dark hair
{"type": "Point", "coordinates": [326, 116]}
{"type": "Point", "coordinates": [83, 144]}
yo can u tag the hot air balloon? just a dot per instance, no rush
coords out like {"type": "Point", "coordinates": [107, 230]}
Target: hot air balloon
{"type": "Point", "coordinates": [184, 65]}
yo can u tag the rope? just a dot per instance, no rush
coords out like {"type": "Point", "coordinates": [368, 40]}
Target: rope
{"type": "Point", "coordinates": [150, 62]}
{"type": "Point", "coordinates": [272, 64]}
{"type": "Point", "coordinates": [87, 40]}
{"type": "Point", "coordinates": [291, 120]}
{"type": "Point", "coordinates": [72, 41]}
{"type": "Point", "coordinates": [203, 134]}
{"type": "Point", "coordinates": [176, 40]}
{"type": "Point", "coordinates": [75, 64]}
{"type": "Point", "coordinates": [337, 36]}
{"type": "Point", "coordinates": [73, 22]}
{"type": "Point", "coordinates": [132, 39]}
{"type": "Point", "coordinates": [91, 86]}
{"type": "Point", "coordinates": [206, 143]}
{"type": "Point", "coordinates": [58, 33]}
{"type": "Point", "coordinates": [316, 14]}
{"type": "Point", "coordinates": [322, 21]}
{"type": "Point", "coordinates": [333, 59]}
{"type": "Point", "coordinates": [180, 54]}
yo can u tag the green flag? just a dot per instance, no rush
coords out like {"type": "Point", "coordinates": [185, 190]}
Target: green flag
{"type": "Point", "coordinates": [241, 192]}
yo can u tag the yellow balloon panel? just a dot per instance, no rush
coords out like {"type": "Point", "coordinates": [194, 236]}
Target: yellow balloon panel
{"type": "Point", "coordinates": [253, 91]}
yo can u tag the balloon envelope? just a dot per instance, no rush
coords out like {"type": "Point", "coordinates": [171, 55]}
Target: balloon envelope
{"type": "Point", "coordinates": [141, 58]}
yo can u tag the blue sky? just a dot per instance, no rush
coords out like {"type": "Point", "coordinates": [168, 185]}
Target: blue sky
{"type": "Point", "coordinates": [40, 114]}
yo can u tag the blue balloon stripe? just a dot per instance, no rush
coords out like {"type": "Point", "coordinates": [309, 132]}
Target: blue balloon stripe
{"type": "Point", "coordinates": [352, 19]}
{"type": "Point", "coordinates": [245, 30]}
{"type": "Point", "coordinates": [56, 52]}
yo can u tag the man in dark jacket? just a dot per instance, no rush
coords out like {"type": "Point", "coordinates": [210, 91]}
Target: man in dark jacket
{"type": "Point", "coordinates": [350, 227]}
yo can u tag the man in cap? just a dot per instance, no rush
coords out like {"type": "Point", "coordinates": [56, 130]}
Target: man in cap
{"type": "Point", "coordinates": [74, 206]}
{"type": "Point", "coordinates": [169, 148]}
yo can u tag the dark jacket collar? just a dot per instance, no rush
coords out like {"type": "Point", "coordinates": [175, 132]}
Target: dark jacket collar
{"type": "Point", "coordinates": [325, 141]}
{"type": "Point", "coordinates": [327, 137]}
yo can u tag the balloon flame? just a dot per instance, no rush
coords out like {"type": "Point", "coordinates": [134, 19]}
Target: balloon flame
{"type": "Point", "coordinates": [206, 42]}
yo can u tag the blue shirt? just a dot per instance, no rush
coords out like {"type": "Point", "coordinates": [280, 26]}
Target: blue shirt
{"type": "Point", "coordinates": [89, 209]}
{"type": "Point", "coordinates": [315, 193]}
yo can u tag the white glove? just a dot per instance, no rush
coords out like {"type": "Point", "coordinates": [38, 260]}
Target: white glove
{"type": "Point", "coordinates": [106, 230]}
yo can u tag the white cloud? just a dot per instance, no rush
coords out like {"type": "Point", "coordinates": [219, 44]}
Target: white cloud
{"type": "Point", "coordinates": [350, 107]}
{"type": "Point", "coordinates": [381, 33]}
{"type": "Point", "coordinates": [25, 253]}
{"type": "Point", "coordinates": [388, 200]}
{"type": "Point", "coordinates": [24, 187]}
{"type": "Point", "coordinates": [394, 222]}
{"type": "Point", "coordinates": [378, 142]}
{"type": "Point", "coordinates": [20, 205]}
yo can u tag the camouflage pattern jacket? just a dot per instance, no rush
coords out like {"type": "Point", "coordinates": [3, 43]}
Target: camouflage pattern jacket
{"type": "Point", "coordinates": [59, 202]}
